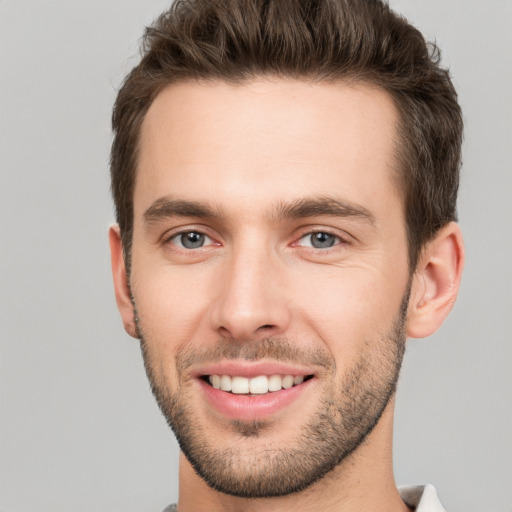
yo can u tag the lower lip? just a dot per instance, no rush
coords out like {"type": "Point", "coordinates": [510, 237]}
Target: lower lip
{"type": "Point", "coordinates": [252, 407]}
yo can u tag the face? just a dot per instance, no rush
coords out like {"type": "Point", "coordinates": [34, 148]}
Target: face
{"type": "Point", "coordinates": [269, 275]}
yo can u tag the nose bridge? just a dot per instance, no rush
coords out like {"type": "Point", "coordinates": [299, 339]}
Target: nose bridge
{"type": "Point", "coordinates": [250, 301]}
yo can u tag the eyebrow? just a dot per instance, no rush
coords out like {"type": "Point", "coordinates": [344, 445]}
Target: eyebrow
{"type": "Point", "coordinates": [324, 205]}
{"type": "Point", "coordinates": [169, 206]}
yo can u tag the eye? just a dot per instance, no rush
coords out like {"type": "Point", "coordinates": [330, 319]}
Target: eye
{"type": "Point", "coordinates": [190, 240]}
{"type": "Point", "coordinates": [319, 240]}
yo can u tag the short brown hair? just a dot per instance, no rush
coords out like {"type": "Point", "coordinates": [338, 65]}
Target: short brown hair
{"type": "Point", "coordinates": [315, 40]}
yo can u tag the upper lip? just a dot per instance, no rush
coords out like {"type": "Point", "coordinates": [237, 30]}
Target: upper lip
{"type": "Point", "coordinates": [250, 369]}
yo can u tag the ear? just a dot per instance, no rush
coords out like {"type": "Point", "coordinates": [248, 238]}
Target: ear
{"type": "Point", "coordinates": [121, 285]}
{"type": "Point", "coordinates": [436, 282]}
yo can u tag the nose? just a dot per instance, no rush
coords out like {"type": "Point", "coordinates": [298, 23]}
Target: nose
{"type": "Point", "coordinates": [251, 302]}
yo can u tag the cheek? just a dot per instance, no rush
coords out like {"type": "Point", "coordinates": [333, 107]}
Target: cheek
{"type": "Point", "coordinates": [351, 307]}
{"type": "Point", "coordinates": [171, 308]}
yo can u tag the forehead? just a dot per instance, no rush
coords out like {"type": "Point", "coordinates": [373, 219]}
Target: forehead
{"type": "Point", "coordinates": [268, 140]}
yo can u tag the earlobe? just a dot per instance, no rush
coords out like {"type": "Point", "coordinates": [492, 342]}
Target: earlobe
{"type": "Point", "coordinates": [121, 285]}
{"type": "Point", "coordinates": [436, 282]}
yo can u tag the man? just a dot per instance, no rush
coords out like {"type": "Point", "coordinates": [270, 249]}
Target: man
{"type": "Point", "coordinates": [285, 178]}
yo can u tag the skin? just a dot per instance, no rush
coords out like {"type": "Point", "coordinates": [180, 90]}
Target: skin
{"type": "Point", "coordinates": [246, 152]}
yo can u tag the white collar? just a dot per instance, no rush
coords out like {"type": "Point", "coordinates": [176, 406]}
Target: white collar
{"type": "Point", "coordinates": [421, 498]}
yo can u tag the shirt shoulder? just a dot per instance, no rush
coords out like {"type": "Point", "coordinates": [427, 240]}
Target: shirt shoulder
{"type": "Point", "coordinates": [421, 498]}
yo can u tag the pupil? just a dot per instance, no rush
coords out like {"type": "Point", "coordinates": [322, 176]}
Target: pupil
{"type": "Point", "coordinates": [192, 240]}
{"type": "Point", "coordinates": [322, 240]}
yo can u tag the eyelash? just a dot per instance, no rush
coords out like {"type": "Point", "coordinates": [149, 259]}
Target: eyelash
{"type": "Point", "coordinates": [339, 240]}
{"type": "Point", "coordinates": [178, 235]}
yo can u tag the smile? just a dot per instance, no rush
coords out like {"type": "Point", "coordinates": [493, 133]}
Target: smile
{"type": "Point", "coordinates": [259, 385]}
{"type": "Point", "coordinates": [249, 390]}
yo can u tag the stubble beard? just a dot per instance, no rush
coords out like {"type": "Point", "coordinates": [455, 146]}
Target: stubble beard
{"type": "Point", "coordinates": [350, 408]}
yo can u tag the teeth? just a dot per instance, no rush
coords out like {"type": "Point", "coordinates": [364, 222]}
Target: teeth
{"type": "Point", "coordinates": [259, 385]}
{"type": "Point", "coordinates": [240, 385]}
{"type": "Point", "coordinates": [287, 382]}
{"type": "Point", "coordinates": [225, 383]}
{"type": "Point", "coordinates": [275, 383]}
{"type": "Point", "coordinates": [256, 386]}
{"type": "Point", "coordinates": [215, 381]}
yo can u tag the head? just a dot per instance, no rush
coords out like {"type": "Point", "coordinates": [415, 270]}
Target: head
{"type": "Point", "coordinates": [285, 176]}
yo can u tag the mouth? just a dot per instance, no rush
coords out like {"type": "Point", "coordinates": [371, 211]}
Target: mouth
{"type": "Point", "coordinates": [253, 391]}
{"type": "Point", "coordinates": [258, 385]}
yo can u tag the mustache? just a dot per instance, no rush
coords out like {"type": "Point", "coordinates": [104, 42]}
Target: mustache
{"type": "Point", "coordinates": [279, 349]}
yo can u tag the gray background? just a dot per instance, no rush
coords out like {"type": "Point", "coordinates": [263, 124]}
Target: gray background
{"type": "Point", "coordinates": [78, 426]}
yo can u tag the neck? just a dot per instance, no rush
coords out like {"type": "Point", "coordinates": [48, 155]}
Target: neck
{"type": "Point", "coordinates": [362, 482]}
